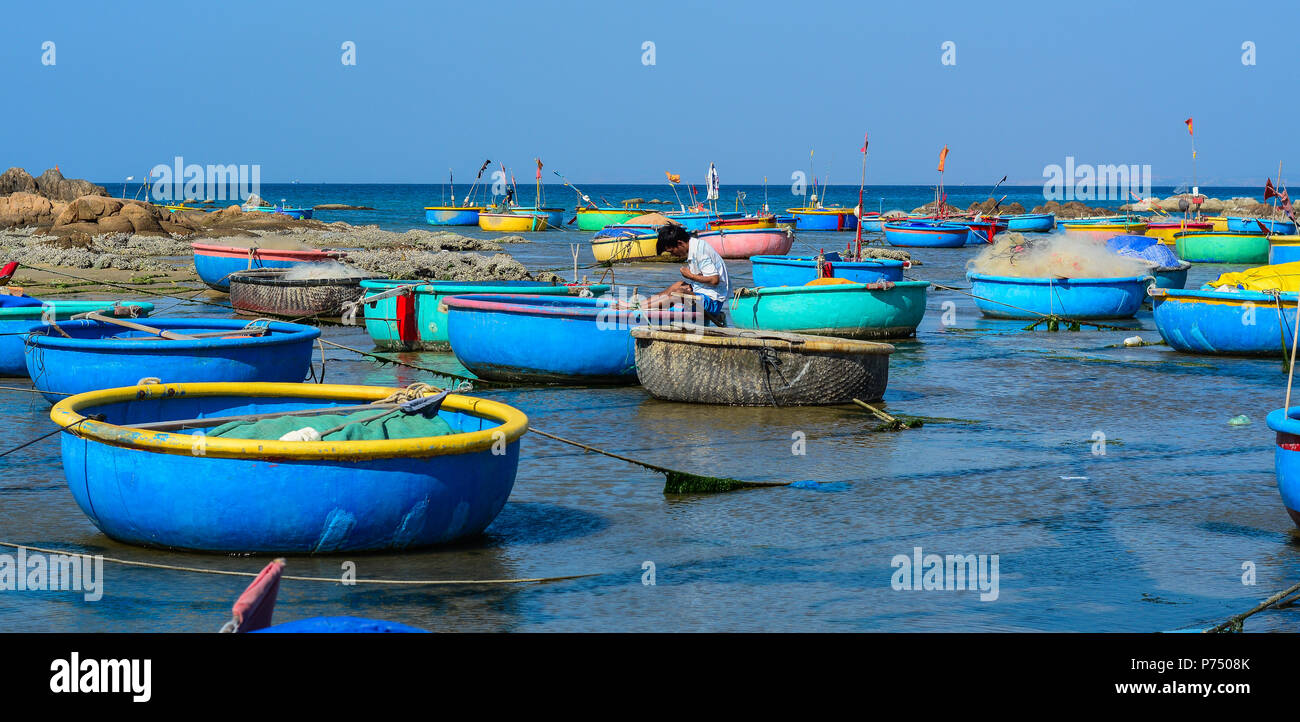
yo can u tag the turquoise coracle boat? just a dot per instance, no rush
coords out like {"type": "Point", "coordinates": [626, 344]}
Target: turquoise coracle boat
{"type": "Point", "coordinates": [883, 309]}
{"type": "Point", "coordinates": [406, 315]}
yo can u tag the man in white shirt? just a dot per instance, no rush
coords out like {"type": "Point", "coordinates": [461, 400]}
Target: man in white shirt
{"type": "Point", "coordinates": [705, 274]}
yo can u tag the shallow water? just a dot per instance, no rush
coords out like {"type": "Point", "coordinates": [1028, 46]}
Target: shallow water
{"type": "Point", "coordinates": [1150, 536]}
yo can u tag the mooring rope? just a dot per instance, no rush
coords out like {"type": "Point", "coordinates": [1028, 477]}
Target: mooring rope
{"type": "Point", "coordinates": [448, 374]}
{"type": "Point", "coordinates": [133, 288]}
{"type": "Point", "coordinates": [1049, 317]}
{"type": "Point", "coordinates": [331, 580]}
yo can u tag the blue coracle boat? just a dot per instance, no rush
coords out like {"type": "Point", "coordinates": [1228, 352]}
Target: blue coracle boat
{"type": "Point", "coordinates": [1168, 269]}
{"type": "Point", "coordinates": [214, 263]}
{"type": "Point", "coordinates": [1286, 458]}
{"type": "Point", "coordinates": [102, 355]}
{"type": "Point", "coordinates": [408, 315]}
{"type": "Point", "coordinates": [799, 270]}
{"type": "Point", "coordinates": [699, 220]}
{"type": "Point", "coordinates": [547, 339]}
{"type": "Point", "coordinates": [15, 321]}
{"type": "Point", "coordinates": [1071, 298]}
{"type": "Point", "coordinates": [1031, 222]}
{"type": "Point", "coordinates": [1252, 225]}
{"type": "Point", "coordinates": [452, 215]}
{"type": "Point", "coordinates": [926, 234]}
{"type": "Point", "coordinates": [1231, 323]}
{"type": "Point", "coordinates": [177, 488]}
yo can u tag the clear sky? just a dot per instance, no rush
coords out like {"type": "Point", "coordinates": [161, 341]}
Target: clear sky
{"type": "Point", "coordinates": [751, 85]}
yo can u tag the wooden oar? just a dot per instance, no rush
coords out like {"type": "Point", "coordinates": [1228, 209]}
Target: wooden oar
{"type": "Point", "coordinates": [255, 331]}
{"type": "Point", "coordinates": [96, 316]}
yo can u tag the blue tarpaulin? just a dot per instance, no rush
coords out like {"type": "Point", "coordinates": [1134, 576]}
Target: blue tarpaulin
{"type": "Point", "coordinates": [1146, 248]}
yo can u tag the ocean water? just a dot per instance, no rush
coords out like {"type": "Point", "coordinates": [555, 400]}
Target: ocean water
{"type": "Point", "coordinates": [1150, 535]}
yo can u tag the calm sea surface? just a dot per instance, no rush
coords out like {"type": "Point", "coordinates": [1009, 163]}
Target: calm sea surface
{"type": "Point", "coordinates": [1152, 535]}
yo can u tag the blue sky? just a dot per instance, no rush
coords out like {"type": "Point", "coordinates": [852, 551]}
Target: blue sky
{"type": "Point", "coordinates": [752, 86]}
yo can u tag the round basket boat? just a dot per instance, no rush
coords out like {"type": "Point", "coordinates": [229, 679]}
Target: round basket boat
{"type": "Point", "coordinates": [15, 321]}
{"type": "Point", "coordinates": [172, 486]}
{"type": "Point", "coordinates": [1071, 298]}
{"type": "Point", "coordinates": [734, 367]}
{"type": "Point", "coordinates": [1286, 458]}
{"type": "Point", "coordinates": [97, 355]}
{"type": "Point", "coordinates": [215, 263]}
{"type": "Point", "coordinates": [267, 292]}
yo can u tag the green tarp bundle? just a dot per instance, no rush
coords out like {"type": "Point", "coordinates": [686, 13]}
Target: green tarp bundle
{"type": "Point", "coordinates": [396, 425]}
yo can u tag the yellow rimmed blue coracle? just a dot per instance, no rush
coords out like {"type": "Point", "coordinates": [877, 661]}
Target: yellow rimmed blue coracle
{"type": "Point", "coordinates": [180, 489]}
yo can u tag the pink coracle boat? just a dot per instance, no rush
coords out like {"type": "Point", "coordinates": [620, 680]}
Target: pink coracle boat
{"type": "Point", "coordinates": [749, 242]}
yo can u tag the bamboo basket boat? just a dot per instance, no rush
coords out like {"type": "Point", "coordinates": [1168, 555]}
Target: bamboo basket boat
{"type": "Point", "coordinates": [266, 291]}
{"type": "Point", "coordinates": [735, 367]}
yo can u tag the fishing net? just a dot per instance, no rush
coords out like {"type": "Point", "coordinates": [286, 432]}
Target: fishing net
{"type": "Point", "coordinates": [1145, 248]}
{"type": "Point", "coordinates": [359, 426]}
{"type": "Point", "coordinates": [1055, 256]}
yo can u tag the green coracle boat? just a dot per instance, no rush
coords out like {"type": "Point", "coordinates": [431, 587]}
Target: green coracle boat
{"type": "Point", "coordinates": [883, 309]}
{"type": "Point", "coordinates": [1222, 247]}
{"type": "Point", "coordinates": [594, 219]}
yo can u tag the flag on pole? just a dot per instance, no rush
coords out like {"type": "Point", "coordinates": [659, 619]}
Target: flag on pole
{"type": "Point", "coordinates": [673, 177]}
{"type": "Point", "coordinates": [864, 142]}
{"type": "Point", "coordinates": [1269, 190]}
{"type": "Point", "coordinates": [1189, 126]}
{"type": "Point", "coordinates": [539, 168]}
{"type": "Point", "coordinates": [712, 183]}
{"type": "Point", "coordinates": [943, 156]}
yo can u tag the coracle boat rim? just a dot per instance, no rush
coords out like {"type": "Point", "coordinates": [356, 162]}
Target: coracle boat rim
{"type": "Point", "coordinates": [12, 313]}
{"type": "Point", "coordinates": [282, 332]}
{"type": "Point", "coordinates": [802, 260]}
{"type": "Point", "coordinates": [1286, 423]}
{"type": "Point", "coordinates": [552, 306]}
{"type": "Point", "coordinates": [942, 226]}
{"type": "Point", "coordinates": [698, 335]}
{"type": "Point", "coordinates": [275, 277]}
{"type": "Point", "coordinates": [455, 208]}
{"type": "Point", "coordinates": [1221, 234]}
{"type": "Point", "coordinates": [311, 254]}
{"type": "Point", "coordinates": [66, 413]}
{"type": "Point", "coordinates": [1212, 295]}
{"type": "Point", "coordinates": [831, 287]}
{"type": "Point", "coordinates": [1038, 280]}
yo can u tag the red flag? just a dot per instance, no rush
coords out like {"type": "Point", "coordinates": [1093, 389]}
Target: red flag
{"type": "Point", "coordinates": [1269, 191]}
{"type": "Point", "coordinates": [864, 142]}
{"type": "Point", "coordinates": [1284, 199]}
{"type": "Point", "coordinates": [1189, 126]}
{"type": "Point", "coordinates": [943, 156]}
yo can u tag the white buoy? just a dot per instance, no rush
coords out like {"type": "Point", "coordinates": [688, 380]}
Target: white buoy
{"type": "Point", "coordinates": [1133, 341]}
{"type": "Point", "coordinates": [306, 433]}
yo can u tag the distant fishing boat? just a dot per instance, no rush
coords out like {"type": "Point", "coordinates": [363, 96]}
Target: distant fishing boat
{"type": "Point", "coordinates": [1286, 458]}
{"type": "Point", "coordinates": [834, 307]}
{"type": "Point", "coordinates": [1207, 321]}
{"type": "Point", "coordinates": [513, 221]}
{"type": "Point", "coordinates": [824, 219]}
{"type": "Point", "coordinates": [917, 233]}
{"type": "Point", "coordinates": [214, 263]}
{"type": "Point", "coordinates": [452, 215]}
{"type": "Point", "coordinates": [122, 352]}
{"type": "Point", "coordinates": [16, 321]}
{"type": "Point", "coordinates": [799, 270]}
{"type": "Point", "coordinates": [554, 216]}
{"type": "Point", "coordinates": [733, 367]}
{"type": "Point", "coordinates": [1221, 247]}
{"type": "Point", "coordinates": [547, 339]}
{"type": "Point", "coordinates": [1030, 222]}
{"type": "Point", "coordinates": [199, 466]}
{"type": "Point", "coordinates": [748, 242]}
{"type": "Point", "coordinates": [1165, 231]}
{"type": "Point", "coordinates": [296, 213]}
{"type": "Point", "coordinates": [1074, 298]}
{"type": "Point", "coordinates": [872, 222]}
{"type": "Point", "coordinates": [408, 315]}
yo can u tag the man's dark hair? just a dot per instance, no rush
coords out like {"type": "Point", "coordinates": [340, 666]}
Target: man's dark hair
{"type": "Point", "coordinates": [669, 236]}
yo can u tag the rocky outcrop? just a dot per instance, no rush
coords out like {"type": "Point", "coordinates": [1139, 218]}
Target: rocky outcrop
{"type": "Point", "coordinates": [54, 186]}
{"type": "Point", "coordinates": [23, 209]}
{"type": "Point", "coordinates": [16, 180]}
{"type": "Point", "coordinates": [1073, 209]}
{"type": "Point", "coordinates": [991, 206]}
{"type": "Point", "coordinates": [1239, 206]}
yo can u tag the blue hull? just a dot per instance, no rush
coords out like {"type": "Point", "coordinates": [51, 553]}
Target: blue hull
{"type": "Point", "coordinates": [1175, 278]}
{"type": "Point", "coordinates": [1287, 253]}
{"type": "Point", "coordinates": [798, 271]}
{"type": "Point", "coordinates": [245, 506]}
{"type": "Point", "coordinates": [458, 217]}
{"type": "Point", "coordinates": [924, 234]}
{"type": "Point", "coordinates": [700, 221]}
{"type": "Point", "coordinates": [1218, 323]}
{"type": "Point", "coordinates": [58, 366]}
{"type": "Point", "coordinates": [1031, 222]}
{"type": "Point", "coordinates": [825, 221]}
{"type": "Point", "coordinates": [540, 339]}
{"type": "Point", "coordinates": [340, 625]}
{"type": "Point", "coordinates": [1071, 298]}
{"type": "Point", "coordinates": [14, 323]}
{"type": "Point", "coordinates": [1251, 225]}
{"type": "Point", "coordinates": [1286, 459]}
